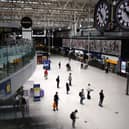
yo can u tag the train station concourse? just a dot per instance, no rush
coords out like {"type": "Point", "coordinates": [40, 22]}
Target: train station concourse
{"type": "Point", "coordinates": [64, 64]}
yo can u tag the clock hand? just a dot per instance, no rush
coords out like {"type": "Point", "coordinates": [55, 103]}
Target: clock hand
{"type": "Point", "coordinates": [101, 15]}
{"type": "Point", "coordinates": [127, 12]}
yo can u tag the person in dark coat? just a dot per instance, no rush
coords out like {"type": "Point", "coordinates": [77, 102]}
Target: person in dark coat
{"type": "Point", "coordinates": [56, 100]}
{"type": "Point", "coordinates": [88, 95]}
{"type": "Point", "coordinates": [88, 91]}
{"type": "Point", "coordinates": [67, 88]}
{"type": "Point", "coordinates": [59, 64]}
{"type": "Point", "coordinates": [82, 96]}
{"type": "Point", "coordinates": [73, 117]}
{"type": "Point", "coordinates": [68, 67]}
{"type": "Point", "coordinates": [70, 79]}
{"type": "Point", "coordinates": [106, 69]}
{"type": "Point", "coordinates": [58, 81]}
{"type": "Point", "coordinates": [101, 98]}
{"type": "Point", "coordinates": [81, 65]}
{"type": "Point", "coordinates": [22, 103]}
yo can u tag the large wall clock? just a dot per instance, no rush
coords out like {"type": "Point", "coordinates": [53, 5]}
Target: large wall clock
{"type": "Point", "coordinates": [122, 14]}
{"type": "Point", "coordinates": [102, 15]}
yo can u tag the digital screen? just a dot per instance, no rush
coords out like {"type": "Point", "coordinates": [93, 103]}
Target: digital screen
{"type": "Point", "coordinates": [109, 47]}
{"type": "Point", "coordinates": [123, 67]}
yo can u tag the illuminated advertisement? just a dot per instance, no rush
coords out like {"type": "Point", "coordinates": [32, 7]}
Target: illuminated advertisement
{"type": "Point", "coordinates": [123, 67]}
{"type": "Point", "coordinates": [36, 92]}
{"type": "Point", "coordinates": [46, 64]}
{"type": "Point", "coordinates": [5, 88]}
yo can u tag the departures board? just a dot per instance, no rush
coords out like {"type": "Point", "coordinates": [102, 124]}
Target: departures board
{"type": "Point", "coordinates": [109, 47]}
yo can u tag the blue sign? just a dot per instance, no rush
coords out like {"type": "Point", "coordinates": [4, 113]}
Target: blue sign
{"type": "Point", "coordinates": [46, 64]}
{"type": "Point", "coordinates": [5, 88]}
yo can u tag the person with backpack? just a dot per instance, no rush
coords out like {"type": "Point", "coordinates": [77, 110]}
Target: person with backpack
{"type": "Point", "coordinates": [73, 117]}
{"type": "Point", "coordinates": [58, 81]}
{"type": "Point", "coordinates": [82, 96]}
{"type": "Point", "coordinates": [68, 67]}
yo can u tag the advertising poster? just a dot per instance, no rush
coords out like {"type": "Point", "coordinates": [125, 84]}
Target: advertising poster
{"type": "Point", "coordinates": [5, 88]}
{"type": "Point", "coordinates": [37, 92]}
{"type": "Point", "coordinates": [46, 64]}
{"type": "Point", "coordinates": [123, 67]}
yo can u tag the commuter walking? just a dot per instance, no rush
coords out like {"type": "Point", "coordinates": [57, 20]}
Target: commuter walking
{"type": "Point", "coordinates": [56, 100]}
{"type": "Point", "coordinates": [59, 64]}
{"type": "Point", "coordinates": [101, 98]}
{"type": "Point", "coordinates": [54, 106]}
{"type": "Point", "coordinates": [67, 88]}
{"type": "Point", "coordinates": [73, 117]}
{"type": "Point", "coordinates": [58, 81]}
{"type": "Point", "coordinates": [70, 79]}
{"type": "Point", "coordinates": [82, 96]}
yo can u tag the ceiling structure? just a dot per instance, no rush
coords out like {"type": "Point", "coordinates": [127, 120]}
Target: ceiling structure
{"type": "Point", "coordinates": [48, 13]}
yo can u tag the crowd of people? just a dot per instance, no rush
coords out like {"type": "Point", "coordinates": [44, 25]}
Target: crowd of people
{"type": "Point", "coordinates": [81, 94]}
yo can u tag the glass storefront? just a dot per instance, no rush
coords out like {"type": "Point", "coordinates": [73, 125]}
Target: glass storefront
{"type": "Point", "coordinates": [15, 55]}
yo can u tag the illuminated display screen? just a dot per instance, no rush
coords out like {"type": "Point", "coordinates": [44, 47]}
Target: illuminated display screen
{"type": "Point", "coordinates": [123, 67]}
{"type": "Point", "coordinates": [110, 47]}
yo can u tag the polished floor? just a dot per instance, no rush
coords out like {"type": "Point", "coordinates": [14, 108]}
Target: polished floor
{"type": "Point", "coordinates": [113, 115]}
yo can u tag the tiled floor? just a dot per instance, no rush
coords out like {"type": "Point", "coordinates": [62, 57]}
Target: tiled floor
{"type": "Point", "coordinates": [114, 114]}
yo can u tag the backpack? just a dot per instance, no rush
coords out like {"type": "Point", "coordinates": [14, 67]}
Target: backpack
{"type": "Point", "coordinates": [80, 94]}
{"type": "Point", "coordinates": [72, 115]}
{"type": "Point", "coordinates": [57, 79]}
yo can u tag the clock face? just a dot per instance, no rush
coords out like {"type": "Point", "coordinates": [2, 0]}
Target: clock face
{"type": "Point", "coordinates": [122, 14]}
{"type": "Point", "coordinates": [102, 15]}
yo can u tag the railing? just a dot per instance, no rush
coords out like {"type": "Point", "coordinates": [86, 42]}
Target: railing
{"type": "Point", "coordinates": [14, 56]}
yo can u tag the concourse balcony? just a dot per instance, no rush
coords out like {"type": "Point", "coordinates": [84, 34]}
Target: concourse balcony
{"type": "Point", "coordinates": [17, 63]}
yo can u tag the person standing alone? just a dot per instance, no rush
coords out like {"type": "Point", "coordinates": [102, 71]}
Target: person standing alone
{"type": "Point", "coordinates": [58, 81]}
{"type": "Point", "coordinates": [67, 88]}
{"type": "Point", "coordinates": [101, 98]}
{"type": "Point", "coordinates": [46, 74]}
{"type": "Point", "coordinates": [82, 96]}
{"type": "Point", "coordinates": [70, 79]}
{"type": "Point", "coordinates": [56, 100]}
{"type": "Point", "coordinates": [59, 64]}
